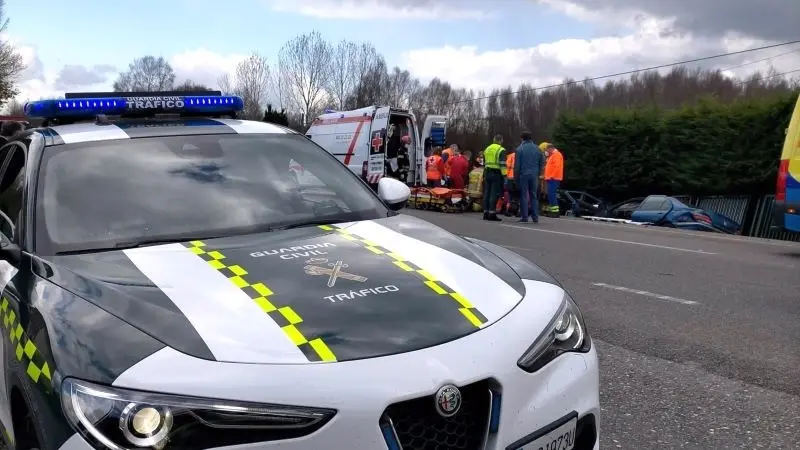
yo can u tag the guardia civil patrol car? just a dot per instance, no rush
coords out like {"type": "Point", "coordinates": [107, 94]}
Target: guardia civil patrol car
{"type": "Point", "coordinates": [177, 279]}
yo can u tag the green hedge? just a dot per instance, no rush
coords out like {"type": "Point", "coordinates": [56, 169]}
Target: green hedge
{"type": "Point", "coordinates": [705, 148]}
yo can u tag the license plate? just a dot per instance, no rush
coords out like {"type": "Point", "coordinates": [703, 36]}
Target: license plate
{"type": "Point", "coordinates": [562, 438]}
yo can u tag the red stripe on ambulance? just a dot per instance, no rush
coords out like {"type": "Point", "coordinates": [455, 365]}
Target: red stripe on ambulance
{"type": "Point", "coordinates": [338, 120]}
{"type": "Point", "coordinates": [353, 141]}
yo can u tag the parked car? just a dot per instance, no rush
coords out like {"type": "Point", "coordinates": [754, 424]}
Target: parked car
{"type": "Point", "coordinates": [667, 211]}
{"type": "Point", "coordinates": [624, 210]}
{"type": "Point", "coordinates": [580, 203]}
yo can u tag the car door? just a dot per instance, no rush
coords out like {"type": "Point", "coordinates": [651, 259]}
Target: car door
{"type": "Point", "coordinates": [12, 173]}
{"type": "Point", "coordinates": [377, 145]}
{"type": "Point", "coordinates": [652, 210]}
{"type": "Point", "coordinates": [590, 204]}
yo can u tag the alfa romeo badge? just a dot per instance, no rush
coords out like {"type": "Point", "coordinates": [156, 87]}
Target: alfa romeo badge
{"type": "Point", "coordinates": [448, 400]}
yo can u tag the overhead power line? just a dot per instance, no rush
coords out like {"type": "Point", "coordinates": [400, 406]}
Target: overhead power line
{"type": "Point", "coordinates": [631, 72]}
{"type": "Point", "coordinates": [776, 75]}
{"type": "Point", "coordinates": [762, 59]}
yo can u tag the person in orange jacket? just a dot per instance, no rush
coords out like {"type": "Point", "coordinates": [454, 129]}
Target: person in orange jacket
{"type": "Point", "coordinates": [434, 168]}
{"type": "Point", "coordinates": [553, 175]}
{"type": "Point", "coordinates": [504, 202]}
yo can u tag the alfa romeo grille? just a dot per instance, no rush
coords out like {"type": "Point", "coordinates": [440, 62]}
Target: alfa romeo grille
{"type": "Point", "coordinates": [419, 427]}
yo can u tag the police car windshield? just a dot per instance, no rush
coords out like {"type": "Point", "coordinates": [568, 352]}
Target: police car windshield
{"type": "Point", "coordinates": [100, 194]}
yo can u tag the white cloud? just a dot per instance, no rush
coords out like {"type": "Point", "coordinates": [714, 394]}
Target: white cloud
{"type": "Point", "coordinates": [380, 9]}
{"type": "Point", "coordinates": [651, 42]}
{"type": "Point", "coordinates": [203, 66]}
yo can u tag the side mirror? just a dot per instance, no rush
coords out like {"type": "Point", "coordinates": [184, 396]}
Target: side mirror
{"type": "Point", "coordinates": [393, 192]}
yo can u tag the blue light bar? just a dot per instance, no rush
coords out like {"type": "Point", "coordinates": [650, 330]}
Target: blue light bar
{"type": "Point", "coordinates": [134, 106]}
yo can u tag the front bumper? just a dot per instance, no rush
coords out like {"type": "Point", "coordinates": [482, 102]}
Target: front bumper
{"type": "Point", "coordinates": [365, 392]}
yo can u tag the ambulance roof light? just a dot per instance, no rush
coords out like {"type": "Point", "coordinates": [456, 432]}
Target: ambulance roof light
{"type": "Point", "coordinates": [123, 104]}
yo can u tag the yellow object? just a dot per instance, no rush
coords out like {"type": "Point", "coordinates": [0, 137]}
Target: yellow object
{"type": "Point", "coordinates": [465, 307]}
{"type": "Point", "coordinates": [25, 350]}
{"type": "Point", "coordinates": [491, 156]}
{"type": "Point", "coordinates": [791, 146]}
{"type": "Point", "coordinates": [475, 187]}
{"type": "Point", "coordinates": [315, 349]}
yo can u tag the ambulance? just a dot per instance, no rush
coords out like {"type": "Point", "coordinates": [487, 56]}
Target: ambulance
{"type": "Point", "coordinates": [786, 209]}
{"type": "Point", "coordinates": [366, 140]}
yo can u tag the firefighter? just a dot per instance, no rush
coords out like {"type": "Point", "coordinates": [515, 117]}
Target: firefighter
{"type": "Point", "coordinates": [553, 174]}
{"type": "Point", "coordinates": [434, 167]}
{"type": "Point", "coordinates": [475, 186]}
{"type": "Point", "coordinates": [493, 177]}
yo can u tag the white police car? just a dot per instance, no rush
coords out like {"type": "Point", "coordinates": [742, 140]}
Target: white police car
{"type": "Point", "coordinates": [170, 282]}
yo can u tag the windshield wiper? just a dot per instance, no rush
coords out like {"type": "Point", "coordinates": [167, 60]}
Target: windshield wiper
{"type": "Point", "coordinates": [123, 245]}
{"type": "Point", "coordinates": [309, 223]}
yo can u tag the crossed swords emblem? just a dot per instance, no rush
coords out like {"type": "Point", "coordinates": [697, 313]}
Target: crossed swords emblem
{"type": "Point", "coordinates": [333, 270]}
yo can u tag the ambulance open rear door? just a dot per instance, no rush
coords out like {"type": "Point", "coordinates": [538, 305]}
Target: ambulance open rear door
{"type": "Point", "coordinates": [434, 133]}
{"type": "Point", "coordinates": [377, 146]}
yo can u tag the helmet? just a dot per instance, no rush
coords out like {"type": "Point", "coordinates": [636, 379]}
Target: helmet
{"type": "Point", "coordinates": [543, 146]}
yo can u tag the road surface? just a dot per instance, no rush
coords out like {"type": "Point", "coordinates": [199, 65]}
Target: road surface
{"type": "Point", "coordinates": [698, 334]}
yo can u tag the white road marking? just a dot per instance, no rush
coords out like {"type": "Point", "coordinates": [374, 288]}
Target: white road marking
{"type": "Point", "coordinates": [618, 241]}
{"type": "Point", "coordinates": [646, 293]}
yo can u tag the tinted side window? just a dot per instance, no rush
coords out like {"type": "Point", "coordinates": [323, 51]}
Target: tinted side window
{"type": "Point", "coordinates": [11, 185]}
{"type": "Point", "coordinates": [653, 204]}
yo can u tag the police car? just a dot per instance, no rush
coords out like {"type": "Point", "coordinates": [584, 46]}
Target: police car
{"type": "Point", "coordinates": [168, 283]}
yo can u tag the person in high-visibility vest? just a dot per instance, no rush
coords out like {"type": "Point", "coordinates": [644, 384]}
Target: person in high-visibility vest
{"type": "Point", "coordinates": [553, 175]}
{"type": "Point", "coordinates": [493, 176]}
{"type": "Point", "coordinates": [542, 192]}
{"type": "Point", "coordinates": [433, 168]}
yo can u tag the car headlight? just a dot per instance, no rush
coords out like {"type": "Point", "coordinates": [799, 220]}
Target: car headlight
{"type": "Point", "coordinates": [121, 419]}
{"type": "Point", "coordinates": [565, 333]}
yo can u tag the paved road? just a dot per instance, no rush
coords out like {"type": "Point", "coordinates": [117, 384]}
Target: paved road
{"type": "Point", "coordinates": [698, 334]}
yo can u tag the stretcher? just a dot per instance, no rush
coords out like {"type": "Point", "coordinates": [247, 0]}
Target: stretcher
{"type": "Point", "coordinates": [439, 199]}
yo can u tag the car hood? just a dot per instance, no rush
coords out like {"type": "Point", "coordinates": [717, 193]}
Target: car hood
{"type": "Point", "coordinates": [319, 293]}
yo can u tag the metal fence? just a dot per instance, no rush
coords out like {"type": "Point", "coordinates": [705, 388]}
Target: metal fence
{"type": "Point", "coordinates": [754, 213]}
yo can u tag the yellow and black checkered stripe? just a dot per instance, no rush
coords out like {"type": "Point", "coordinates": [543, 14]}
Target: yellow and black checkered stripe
{"type": "Point", "coordinates": [8, 436]}
{"type": "Point", "coordinates": [26, 351]}
{"type": "Point", "coordinates": [467, 309]}
{"type": "Point", "coordinates": [286, 317]}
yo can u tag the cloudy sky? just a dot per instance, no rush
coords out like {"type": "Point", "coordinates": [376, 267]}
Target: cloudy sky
{"type": "Point", "coordinates": [81, 45]}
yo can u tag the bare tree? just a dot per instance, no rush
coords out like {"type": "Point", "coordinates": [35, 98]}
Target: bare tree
{"type": "Point", "coordinates": [371, 87]}
{"type": "Point", "coordinates": [147, 73]}
{"type": "Point", "coordinates": [251, 82]}
{"type": "Point", "coordinates": [189, 86]}
{"type": "Point", "coordinates": [305, 65]}
{"type": "Point", "coordinates": [15, 108]}
{"type": "Point", "coordinates": [11, 63]}
{"type": "Point", "coordinates": [279, 88]}
{"type": "Point", "coordinates": [225, 83]}
{"type": "Point", "coordinates": [368, 60]}
{"type": "Point", "coordinates": [343, 71]}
